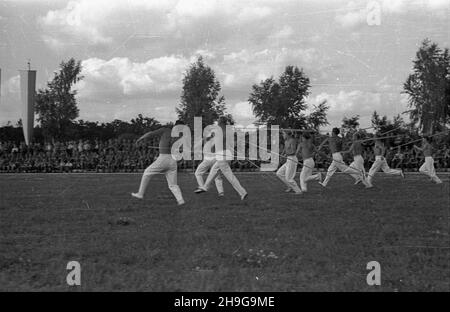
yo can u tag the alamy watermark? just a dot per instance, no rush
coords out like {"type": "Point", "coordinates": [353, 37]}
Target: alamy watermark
{"type": "Point", "coordinates": [73, 278]}
{"type": "Point", "coordinates": [374, 276]}
{"type": "Point", "coordinates": [258, 145]}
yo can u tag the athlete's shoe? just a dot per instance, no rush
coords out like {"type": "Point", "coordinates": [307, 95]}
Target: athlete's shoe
{"type": "Point", "coordinates": [221, 194]}
{"type": "Point", "coordinates": [288, 190]}
{"type": "Point", "coordinates": [200, 190]}
{"type": "Point", "coordinates": [321, 183]}
{"type": "Point", "coordinates": [244, 196]}
{"type": "Point", "coordinates": [181, 202]}
{"type": "Point", "coordinates": [358, 181]}
{"type": "Point", "coordinates": [136, 195]}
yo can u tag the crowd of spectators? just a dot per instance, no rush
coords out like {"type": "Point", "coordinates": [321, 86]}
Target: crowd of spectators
{"type": "Point", "coordinates": [81, 156]}
{"type": "Point", "coordinates": [125, 156]}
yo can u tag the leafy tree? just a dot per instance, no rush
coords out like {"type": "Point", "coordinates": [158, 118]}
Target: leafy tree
{"type": "Point", "coordinates": [379, 123]}
{"type": "Point", "coordinates": [141, 124]}
{"type": "Point", "coordinates": [382, 125]}
{"type": "Point", "coordinates": [428, 87]}
{"type": "Point", "coordinates": [56, 105]}
{"type": "Point", "coordinates": [200, 96]}
{"type": "Point", "coordinates": [87, 130]}
{"type": "Point", "coordinates": [349, 125]}
{"type": "Point", "coordinates": [318, 117]}
{"type": "Point", "coordinates": [282, 103]}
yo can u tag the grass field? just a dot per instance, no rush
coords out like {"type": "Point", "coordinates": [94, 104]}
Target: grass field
{"type": "Point", "coordinates": [320, 241]}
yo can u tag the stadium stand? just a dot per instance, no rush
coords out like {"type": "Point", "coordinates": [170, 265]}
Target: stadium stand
{"type": "Point", "coordinates": [117, 155]}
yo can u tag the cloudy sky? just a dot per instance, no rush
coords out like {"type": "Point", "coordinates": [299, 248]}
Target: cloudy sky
{"type": "Point", "coordinates": [134, 52]}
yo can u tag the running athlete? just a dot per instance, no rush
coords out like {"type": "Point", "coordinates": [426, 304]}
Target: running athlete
{"type": "Point", "coordinates": [164, 164]}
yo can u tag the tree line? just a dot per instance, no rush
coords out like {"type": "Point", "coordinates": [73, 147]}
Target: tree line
{"type": "Point", "coordinates": [280, 101]}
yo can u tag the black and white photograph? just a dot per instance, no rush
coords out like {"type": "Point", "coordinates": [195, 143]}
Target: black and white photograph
{"type": "Point", "coordinates": [197, 148]}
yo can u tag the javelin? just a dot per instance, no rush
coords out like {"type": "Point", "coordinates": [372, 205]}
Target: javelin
{"type": "Point", "coordinates": [297, 162]}
{"type": "Point", "coordinates": [380, 138]}
{"type": "Point", "coordinates": [298, 130]}
{"type": "Point", "coordinates": [152, 146]}
{"type": "Point", "coordinates": [409, 143]}
{"type": "Point", "coordinates": [264, 173]}
{"type": "Point", "coordinates": [390, 130]}
{"type": "Point", "coordinates": [366, 128]}
{"type": "Point", "coordinates": [281, 129]}
{"type": "Point", "coordinates": [421, 139]}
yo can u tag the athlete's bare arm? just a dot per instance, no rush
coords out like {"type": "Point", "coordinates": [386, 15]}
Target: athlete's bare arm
{"type": "Point", "coordinates": [349, 150]}
{"type": "Point", "coordinates": [152, 134]}
{"type": "Point", "coordinates": [322, 144]}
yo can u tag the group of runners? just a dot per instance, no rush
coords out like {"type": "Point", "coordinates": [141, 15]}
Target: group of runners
{"type": "Point", "coordinates": [216, 161]}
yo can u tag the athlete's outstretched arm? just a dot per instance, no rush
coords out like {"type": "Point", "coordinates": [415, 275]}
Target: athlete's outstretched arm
{"type": "Point", "coordinates": [152, 134]}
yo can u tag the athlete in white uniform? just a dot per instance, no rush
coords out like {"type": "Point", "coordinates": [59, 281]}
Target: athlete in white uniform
{"type": "Point", "coordinates": [428, 167]}
{"type": "Point", "coordinates": [307, 149]}
{"type": "Point", "coordinates": [287, 172]}
{"type": "Point", "coordinates": [335, 145]}
{"type": "Point", "coordinates": [358, 161]}
{"type": "Point", "coordinates": [222, 164]}
{"type": "Point", "coordinates": [164, 164]}
{"type": "Point", "coordinates": [380, 163]}
{"type": "Point", "coordinates": [209, 159]}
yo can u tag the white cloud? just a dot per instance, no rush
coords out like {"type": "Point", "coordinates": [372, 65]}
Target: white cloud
{"type": "Point", "coordinates": [196, 8]}
{"type": "Point", "coordinates": [403, 6]}
{"type": "Point", "coordinates": [124, 77]}
{"type": "Point", "coordinates": [243, 110]}
{"type": "Point", "coordinates": [351, 19]}
{"type": "Point", "coordinates": [94, 22]}
{"type": "Point", "coordinates": [79, 19]}
{"type": "Point", "coordinates": [357, 16]}
{"type": "Point", "coordinates": [242, 113]}
{"type": "Point", "coordinates": [206, 54]}
{"type": "Point", "coordinates": [394, 6]}
{"type": "Point", "coordinates": [136, 51]}
{"type": "Point", "coordinates": [246, 67]}
{"type": "Point", "coordinates": [12, 85]}
{"type": "Point", "coordinates": [357, 102]}
{"type": "Point", "coordinates": [284, 33]}
{"type": "Point", "coordinates": [253, 13]}
{"type": "Point", "coordinates": [438, 4]}
{"type": "Point", "coordinates": [10, 93]}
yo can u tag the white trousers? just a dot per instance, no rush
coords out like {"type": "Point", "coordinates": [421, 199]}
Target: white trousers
{"type": "Point", "coordinates": [306, 174]}
{"type": "Point", "coordinates": [428, 169]}
{"type": "Point", "coordinates": [203, 168]}
{"type": "Point", "coordinates": [358, 164]}
{"type": "Point", "coordinates": [287, 172]}
{"type": "Point", "coordinates": [338, 163]}
{"type": "Point", "coordinates": [166, 165]}
{"type": "Point", "coordinates": [224, 167]}
{"type": "Point", "coordinates": [381, 164]}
